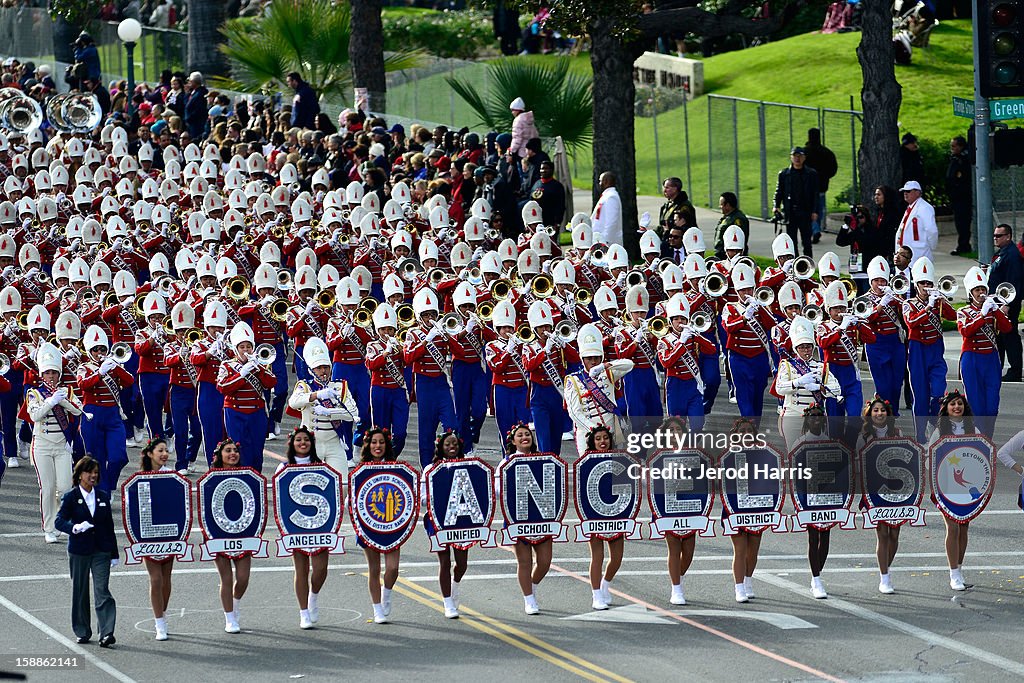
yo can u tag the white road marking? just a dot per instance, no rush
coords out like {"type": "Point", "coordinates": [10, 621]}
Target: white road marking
{"type": "Point", "coordinates": [930, 637]}
{"type": "Point", "coordinates": [630, 614]}
{"type": "Point", "coordinates": [66, 642]}
{"type": "Point", "coordinates": [638, 614]}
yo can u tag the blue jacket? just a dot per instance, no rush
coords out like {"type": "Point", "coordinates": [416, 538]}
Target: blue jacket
{"type": "Point", "coordinates": [100, 538]}
{"type": "Point", "coordinates": [196, 112]}
{"type": "Point", "coordinates": [89, 56]}
{"type": "Point", "coordinates": [305, 107]}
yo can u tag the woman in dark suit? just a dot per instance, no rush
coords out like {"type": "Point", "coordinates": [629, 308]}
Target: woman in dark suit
{"type": "Point", "coordinates": [86, 517]}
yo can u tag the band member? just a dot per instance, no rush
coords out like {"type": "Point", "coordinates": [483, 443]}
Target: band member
{"type": "Point", "coordinates": [680, 547]}
{"type": "Point", "coordinates": [377, 449]}
{"type": "Point", "coordinates": [154, 459]}
{"type": "Point", "coordinates": [790, 301]}
{"type": "Point", "coordinates": [268, 329]}
{"type": "Point", "coordinates": [925, 363]}
{"type": "Point", "coordinates": [305, 319]}
{"type": "Point", "coordinates": [206, 357]}
{"type": "Point", "coordinates": [324, 405]}
{"type": "Point", "coordinates": [508, 373]}
{"type": "Point", "coordinates": [310, 569]}
{"type": "Point", "coordinates": [470, 381]}
{"type": "Point", "coordinates": [546, 358]}
{"type": "Point", "coordinates": [448, 447]}
{"type": "Point", "coordinates": [678, 351]}
{"type": "Point", "coordinates": [389, 391]}
{"type": "Point", "coordinates": [50, 407]}
{"type": "Point", "coordinates": [10, 400]}
{"type": "Point", "coordinates": [427, 351]}
{"type": "Point", "coordinates": [748, 324]}
{"type": "Point", "coordinates": [634, 341]}
{"type": "Point", "coordinates": [124, 324]}
{"type": "Point", "coordinates": [815, 428]}
{"type": "Point", "coordinates": [243, 380]}
{"type": "Point", "coordinates": [802, 381]}
{"type": "Point", "coordinates": [348, 341]}
{"type": "Point", "coordinates": [520, 441]}
{"type": "Point", "coordinates": [880, 423]}
{"type": "Point", "coordinates": [980, 322]}
{"type": "Point", "coordinates": [887, 355]}
{"type": "Point", "coordinates": [694, 270]}
{"type": "Point", "coordinates": [840, 337]}
{"type": "Point", "coordinates": [233, 584]}
{"type": "Point", "coordinates": [600, 439]}
{"type": "Point", "coordinates": [101, 379]}
{"type": "Point", "coordinates": [154, 375]}
{"type": "Point", "coordinates": [185, 423]}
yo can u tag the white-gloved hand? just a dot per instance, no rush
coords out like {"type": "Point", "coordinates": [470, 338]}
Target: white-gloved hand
{"type": "Point", "coordinates": [513, 342]}
{"type": "Point", "coordinates": [327, 394]}
{"type": "Point", "coordinates": [310, 306]}
{"type": "Point", "coordinates": [247, 368]}
{"type": "Point", "coordinates": [320, 410]}
{"type": "Point", "coordinates": [81, 527]}
{"type": "Point", "coordinates": [433, 334]}
{"type": "Point", "coordinates": [812, 386]}
{"type": "Point", "coordinates": [887, 298]}
{"type": "Point", "coordinates": [645, 220]}
{"type": "Point", "coordinates": [549, 346]}
{"type": "Point", "coordinates": [597, 370]}
{"type": "Point", "coordinates": [932, 298]}
{"type": "Point", "coordinates": [347, 330]}
{"type": "Point", "coordinates": [750, 313]}
{"type": "Point", "coordinates": [847, 319]}
{"type": "Point", "coordinates": [31, 271]}
{"type": "Point", "coordinates": [107, 365]}
{"type": "Point", "coordinates": [303, 231]}
{"type": "Point", "coordinates": [988, 306]}
{"type": "Point", "coordinates": [686, 334]}
{"type": "Point", "coordinates": [471, 325]}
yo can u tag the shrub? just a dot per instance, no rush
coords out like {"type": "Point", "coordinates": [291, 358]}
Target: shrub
{"type": "Point", "coordinates": [459, 35]}
{"type": "Point", "coordinates": [650, 100]}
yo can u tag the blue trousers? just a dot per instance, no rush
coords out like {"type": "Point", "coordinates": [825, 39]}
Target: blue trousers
{"type": "Point", "coordinates": [434, 398]}
{"type": "Point", "coordinates": [188, 432]}
{"type": "Point", "coordinates": [131, 400]}
{"type": "Point", "coordinates": [887, 358]}
{"type": "Point", "coordinates": [10, 401]}
{"type": "Point", "coordinates": [982, 377]}
{"type": "Point", "coordinates": [105, 439]}
{"type": "Point", "coordinates": [301, 371]}
{"type": "Point", "coordinates": [712, 376]}
{"type": "Point", "coordinates": [643, 399]}
{"type": "Point", "coordinates": [853, 394]}
{"type": "Point", "coordinates": [358, 379]}
{"type": "Point", "coordinates": [684, 400]}
{"type": "Point", "coordinates": [750, 379]}
{"type": "Point", "coordinates": [927, 370]}
{"type": "Point", "coordinates": [250, 431]}
{"type": "Point", "coordinates": [549, 415]}
{"type": "Point", "coordinates": [153, 386]}
{"type": "Point", "coordinates": [211, 417]}
{"type": "Point", "coordinates": [511, 405]}
{"type": "Point", "coordinates": [278, 397]}
{"type": "Point", "coordinates": [389, 408]}
{"type": "Point", "coordinates": [471, 387]}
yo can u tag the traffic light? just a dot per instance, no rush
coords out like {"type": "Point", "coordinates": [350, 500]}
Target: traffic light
{"type": "Point", "coordinates": [1001, 24]}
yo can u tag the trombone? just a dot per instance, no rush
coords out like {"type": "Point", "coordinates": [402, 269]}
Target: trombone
{"type": "Point", "coordinates": [264, 355]}
{"type": "Point", "coordinates": [658, 326]}
{"type": "Point", "coordinates": [326, 299]}
{"type": "Point", "coordinates": [813, 313]}
{"type": "Point", "coordinates": [406, 316]}
{"type": "Point", "coordinates": [525, 333]}
{"type": "Point", "coordinates": [120, 353]}
{"type": "Point", "coordinates": [501, 289]}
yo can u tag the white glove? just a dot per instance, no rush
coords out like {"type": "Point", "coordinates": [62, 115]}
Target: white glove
{"type": "Point", "coordinates": [550, 345]}
{"type": "Point", "coordinates": [433, 334]}
{"type": "Point", "coordinates": [81, 527]}
{"type": "Point", "coordinates": [932, 298]}
{"type": "Point", "coordinates": [327, 394]}
{"type": "Point", "coordinates": [61, 197]}
{"type": "Point", "coordinates": [750, 313]}
{"type": "Point", "coordinates": [58, 396]}
{"type": "Point", "coordinates": [645, 220]}
{"type": "Point", "coordinates": [471, 325]}
{"type": "Point", "coordinates": [347, 330]}
{"type": "Point", "coordinates": [804, 380]}
{"type": "Point", "coordinates": [247, 368]}
{"type": "Point", "coordinates": [988, 306]}
{"type": "Point", "coordinates": [267, 300]}
{"type": "Point", "coordinates": [76, 244]}
{"type": "Point", "coordinates": [686, 334]}
{"type": "Point", "coordinates": [787, 267]}
{"type": "Point", "coordinates": [31, 271]}
{"type": "Point", "coordinates": [812, 386]}
{"type": "Point", "coordinates": [117, 244]}
{"type": "Point", "coordinates": [216, 347]}
{"type": "Point", "coordinates": [513, 342]}
{"type": "Point", "coordinates": [27, 224]}
{"type": "Point", "coordinates": [303, 231]}
{"type": "Point", "coordinates": [887, 298]}
{"type": "Point", "coordinates": [847, 319]}
{"type": "Point", "coordinates": [107, 365]}
{"type": "Point", "coordinates": [597, 370]}
{"type": "Point", "coordinates": [320, 410]}
{"type": "Point", "coordinates": [310, 306]}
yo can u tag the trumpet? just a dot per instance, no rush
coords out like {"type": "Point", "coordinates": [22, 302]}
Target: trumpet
{"type": "Point", "coordinates": [899, 285]}
{"type": "Point", "coordinates": [862, 307]}
{"type": "Point", "coordinates": [326, 299]}
{"type": "Point", "coordinates": [5, 363]}
{"type": "Point", "coordinates": [486, 311]}
{"type": "Point", "coordinates": [584, 297]}
{"type": "Point", "coordinates": [163, 285]}
{"type": "Point", "coordinates": [565, 331]}
{"type": "Point", "coordinates": [658, 326]}
{"type": "Point", "coordinates": [764, 296]}
{"type": "Point", "coordinates": [635, 277]}
{"type": "Point", "coordinates": [542, 286]}
{"type": "Point", "coordinates": [137, 306]}
{"type": "Point", "coordinates": [168, 328]}
{"type": "Point", "coordinates": [362, 318]}
{"type": "Point", "coordinates": [279, 309]}
{"type": "Point", "coordinates": [401, 335]}
{"type": "Point", "coordinates": [947, 286]}
{"type": "Point", "coordinates": [597, 257]}
{"type": "Point", "coordinates": [406, 316]}
{"type": "Point", "coordinates": [715, 285]}
{"type": "Point", "coordinates": [473, 276]}
{"type": "Point", "coordinates": [120, 353]}
{"type": "Point", "coordinates": [435, 276]}
{"type": "Point", "coordinates": [813, 313]}
{"type": "Point", "coordinates": [110, 300]}
{"type": "Point", "coordinates": [660, 264]}
{"type": "Point", "coordinates": [492, 234]}
{"type": "Point", "coordinates": [1004, 295]}
{"type": "Point", "coordinates": [369, 304]}
{"type": "Point", "coordinates": [278, 232]}
{"type": "Point", "coordinates": [408, 267]}
{"type": "Point", "coordinates": [23, 320]}
{"type": "Point", "coordinates": [238, 288]}
{"type": "Point", "coordinates": [525, 333]}
{"type": "Point", "coordinates": [192, 336]}
{"type": "Point", "coordinates": [501, 289]}
{"type": "Point", "coordinates": [450, 324]}
{"type": "Point", "coordinates": [264, 355]}
{"type": "Point", "coordinates": [803, 268]}
{"type": "Point", "coordinates": [700, 322]}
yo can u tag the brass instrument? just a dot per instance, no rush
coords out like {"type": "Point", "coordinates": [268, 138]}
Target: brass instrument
{"type": "Point", "coordinates": [284, 279]}
{"type": "Point", "coordinates": [745, 260]}
{"type": "Point", "coordinates": [408, 267]}
{"type": "Point", "coordinates": [584, 297]}
{"type": "Point", "coordinates": [803, 268]}
{"type": "Point", "coordinates": [326, 299]}
{"type": "Point", "coordinates": [658, 326]}
{"type": "Point", "coordinates": [542, 286]}
{"type": "Point", "coordinates": [635, 277]}
{"type": "Point", "coordinates": [238, 288]}
{"type": "Point", "coordinates": [862, 307]}
{"type": "Point", "coordinates": [947, 286]}
{"type": "Point", "coordinates": [192, 336]}
{"type": "Point", "coordinates": [565, 331]}
{"type": "Point", "coordinates": [700, 322]}
{"type": "Point", "coordinates": [486, 311]}
{"type": "Point", "coordinates": [813, 313]}
{"type": "Point", "coordinates": [661, 264]}
{"type": "Point", "coordinates": [110, 299]}
{"type": "Point", "coordinates": [23, 320]}
{"type": "Point", "coordinates": [473, 276]}
{"type": "Point", "coordinates": [851, 287]}
{"type": "Point", "coordinates": [401, 335]}
{"type": "Point", "coordinates": [168, 327]}
{"type": "Point", "coordinates": [278, 232]}
{"type": "Point", "coordinates": [899, 285]}
{"type": "Point", "coordinates": [435, 276]}
{"type": "Point", "coordinates": [525, 333]}
{"type": "Point", "coordinates": [279, 309]}
{"type": "Point", "coordinates": [120, 353]}
{"type": "Point", "coordinates": [264, 355]}
{"type": "Point", "coordinates": [492, 234]}
{"type": "Point", "coordinates": [362, 318]}
{"type": "Point", "coordinates": [5, 363]}
{"type": "Point", "coordinates": [451, 324]}
{"type": "Point", "coordinates": [86, 295]}
{"type": "Point", "coordinates": [764, 296]}
{"type": "Point", "coordinates": [163, 285]}
{"type": "Point", "coordinates": [597, 257]}
{"type": "Point", "coordinates": [501, 289]}
{"type": "Point", "coordinates": [715, 285]}
{"type": "Point", "coordinates": [369, 304]}
{"type": "Point", "coordinates": [406, 316]}
{"type": "Point", "coordinates": [1004, 295]}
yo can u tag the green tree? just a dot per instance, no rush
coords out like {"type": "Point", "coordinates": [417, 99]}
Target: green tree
{"type": "Point", "coordinates": [71, 17]}
{"type": "Point", "coordinates": [562, 103]}
{"type": "Point", "coordinates": [308, 36]}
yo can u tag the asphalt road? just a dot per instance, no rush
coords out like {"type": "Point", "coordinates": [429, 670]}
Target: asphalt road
{"type": "Point", "coordinates": [923, 632]}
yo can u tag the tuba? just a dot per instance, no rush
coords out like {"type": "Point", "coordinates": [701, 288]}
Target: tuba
{"type": "Point", "coordinates": [19, 113]}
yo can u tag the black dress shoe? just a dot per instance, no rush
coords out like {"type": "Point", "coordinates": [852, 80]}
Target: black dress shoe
{"type": "Point", "coordinates": [816, 238]}
{"type": "Point", "coordinates": [82, 640]}
{"type": "Point", "coordinates": [1012, 377]}
{"type": "Point", "coordinates": [108, 640]}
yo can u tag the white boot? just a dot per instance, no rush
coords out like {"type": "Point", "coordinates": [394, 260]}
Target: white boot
{"type": "Point", "coordinates": [885, 584]}
{"type": "Point", "coordinates": [161, 628]}
{"type": "Point", "coordinates": [12, 462]}
{"type": "Point", "coordinates": [741, 593]}
{"type": "Point", "coordinates": [531, 604]}
{"type": "Point", "coordinates": [956, 580]}
{"type": "Point", "coordinates": [818, 588]}
{"type": "Point", "coordinates": [378, 614]}
{"type": "Point", "coordinates": [748, 587]}
{"type": "Point", "coordinates": [314, 609]}
{"type": "Point", "coordinates": [678, 597]}
{"type": "Point", "coordinates": [606, 591]}
{"type": "Point", "coordinates": [385, 601]}
{"type": "Point", "coordinates": [231, 623]}
{"type": "Point", "coordinates": [599, 601]}
{"type": "Point", "coordinates": [450, 610]}
{"type": "Point", "coordinates": [304, 621]}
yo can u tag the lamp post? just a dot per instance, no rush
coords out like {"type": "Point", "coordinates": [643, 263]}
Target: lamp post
{"type": "Point", "coordinates": [129, 31]}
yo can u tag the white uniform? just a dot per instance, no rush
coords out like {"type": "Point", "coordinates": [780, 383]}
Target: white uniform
{"type": "Point", "coordinates": [51, 453]}
{"type": "Point", "coordinates": [329, 446]}
{"type": "Point", "coordinates": [585, 411]}
{"type": "Point", "coordinates": [799, 394]}
{"type": "Point", "coordinates": [918, 230]}
{"type": "Point", "coordinates": [607, 218]}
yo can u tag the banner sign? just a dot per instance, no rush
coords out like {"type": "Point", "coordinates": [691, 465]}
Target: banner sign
{"type": "Point", "coordinates": [752, 491]}
{"type": "Point", "coordinates": [534, 489]}
{"type": "Point", "coordinates": [384, 504]}
{"type": "Point", "coordinates": [963, 475]}
{"type": "Point", "coordinates": [460, 503]}
{"type": "Point", "coordinates": [680, 493]}
{"type": "Point", "coordinates": [607, 497]}
{"type": "Point", "coordinates": [233, 513]}
{"type": "Point", "coordinates": [823, 499]}
{"type": "Point", "coordinates": [307, 506]}
{"type": "Point", "coordinates": [157, 512]}
{"type": "Point", "coordinates": [893, 479]}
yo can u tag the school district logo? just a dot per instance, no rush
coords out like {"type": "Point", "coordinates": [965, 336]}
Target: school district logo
{"type": "Point", "coordinates": [963, 477]}
{"type": "Point", "coordinates": [385, 503]}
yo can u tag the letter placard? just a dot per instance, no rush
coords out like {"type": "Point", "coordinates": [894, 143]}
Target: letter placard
{"type": "Point", "coordinates": [680, 496]}
{"type": "Point", "coordinates": [460, 503]}
{"type": "Point", "coordinates": [892, 476]}
{"type": "Point", "coordinates": [307, 506]}
{"type": "Point", "coordinates": [384, 504]}
{"type": "Point", "coordinates": [823, 500]}
{"type": "Point", "coordinates": [533, 497]}
{"type": "Point", "coordinates": [963, 475]}
{"type": "Point", "coordinates": [157, 514]}
{"type": "Point", "coordinates": [753, 491]}
{"type": "Point", "coordinates": [233, 513]}
{"type": "Point", "coordinates": [607, 498]}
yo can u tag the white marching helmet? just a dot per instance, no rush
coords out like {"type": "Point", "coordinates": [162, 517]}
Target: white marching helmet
{"type": "Point", "coordinates": [563, 273]}
{"type": "Point", "coordinates": [578, 218]}
{"type": "Point", "coordinates": [124, 284]}
{"type": "Point", "coordinates": [69, 326]}
{"type": "Point", "coordinates": [94, 337]}
{"type": "Point", "coordinates": [783, 246]}
{"type": "Point", "coordinates": [305, 278]}
{"type": "Point", "coordinates": [270, 253]}
{"type": "Point", "coordinates": [385, 316]}
{"type": "Point", "coordinates": [39, 318]}
{"type": "Point", "coordinates": [790, 294]}
{"type": "Point", "coordinates": [528, 262]}
{"type": "Point", "coordinates": [240, 333]}
{"type": "Point", "coordinates": [159, 263]}
{"type": "Point", "coordinates": [539, 315]}
{"type": "Point", "coordinates": [650, 243]}
{"type": "Point", "coordinates": [677, 307]}
{"type": "Point", "coordinates": [490, 264]}
{"type": "Point", "coordinates": [328, 276]}
{"type": "Point", "coordinates": [541, 244]}
{"type": "Point", "coordinates": [801, 331]}
{"type": "Point", "coordinates": [694, 266]}
{"type": "Point", "coordinates": [672, 277]}
{"type": "Point", "coordinates": [315, 353]}
{"type": "Point", "coordinates": [743, 277]}
{"type": "Point", "coordinates": [393, 285]}
{"type": "Point", "coordinates": [460, 256]}
{"type": "Point", "coordinates": [923, 270]}
{"type": "Point", "coordinates": [590, 341]}
{"type": "Point", "coordinates": [828, 265]}
{"type": "Point", "coordinates": [182, 317]}
{"type": "Point", "coordinates": [503, 315]}
{"type": "Point", "coordinates": [154, 304]}
{"type": "Point", "coordinates": [975, 277]}
{"type": "Point", "coordinates": [637, 299]}
{"type": "Point", "coordinates": [215, 315]}
{"type": "Point", "coordinates": [531, 213]}
{"type": "Point", "coordinates": [427, 251]}
{"type": "Point", "coordinates": [363, 278]}
{"type": "Point", "coordinates": [617, 257]}
{"type": "Point", "coordinates": [265, 277]}
{"type": "Point", "coordinates": [306, 258]}
{"type": "Point", "coordinates": [507, 250]}
{"type": "Point", "coordinates": [206, 266]}
{"type": "Point", "coordinates": [226, 269]}
{"type": "Point", "coordinates": [693, 241]}
{"type": "Point", "coordinates": [424, 302]}
{"type": "Point", "coordinates": [734, 238]}
{"type": "Point", "coordinates": [879, 267]}
{"type": "Point", "coordinates": [582, 236]}
{"type": "Point", "coordinates": [835, 295]}
{"type": "Point", "coordinates": [347, 291]}
{"type": "Point", "coordinates": [605, 299]}
{"type": "Point", "coordinates": [464, 294]}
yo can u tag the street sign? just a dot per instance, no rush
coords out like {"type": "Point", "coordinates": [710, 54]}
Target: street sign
{"type": "Point", "coordinates": [963, 107]}
{"type": "Point", "coordinates": [1002, 110]}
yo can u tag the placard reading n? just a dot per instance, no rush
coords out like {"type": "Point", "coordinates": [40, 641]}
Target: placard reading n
{"type": "Point", "coordinates": [666, 71]}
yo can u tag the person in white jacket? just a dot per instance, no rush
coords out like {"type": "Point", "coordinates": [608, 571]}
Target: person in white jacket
{"type": "Point", "coordinates": [590, 392]}
{"type": "Point", "coordinates": [606, 220]}
{"type": "Point", "coordinates": [917, 228]}
{"type": "Point", "coordinates": [49, 408]}
{"type": "Point", "coordinates": [324, 405]}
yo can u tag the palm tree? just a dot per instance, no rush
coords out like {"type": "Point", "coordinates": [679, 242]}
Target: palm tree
{"type": "Point", "coordinates": [562, 103]}
{"type": "Point", "coordinates": [308, 36]}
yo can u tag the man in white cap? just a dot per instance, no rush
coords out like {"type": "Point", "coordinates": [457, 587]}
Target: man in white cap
{"type": "Point", "coordinates": [917, 228]}
{"type": "Point", "coordinates": [324, 405]}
